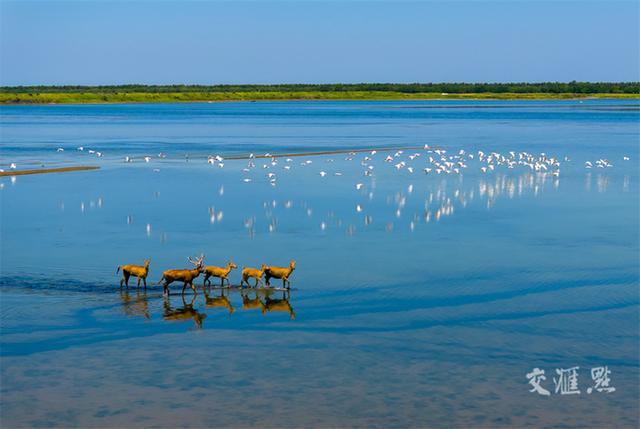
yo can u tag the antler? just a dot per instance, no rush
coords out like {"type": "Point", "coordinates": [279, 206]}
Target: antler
{"type": "Point", "coordinates": [198, 261]}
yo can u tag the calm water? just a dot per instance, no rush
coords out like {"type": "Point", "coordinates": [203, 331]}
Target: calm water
{"type": "Point", "coordinates": [418, 299]}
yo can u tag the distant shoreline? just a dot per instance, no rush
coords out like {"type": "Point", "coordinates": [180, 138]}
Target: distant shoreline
{"type": "Point", "coordinates": [22, 98]}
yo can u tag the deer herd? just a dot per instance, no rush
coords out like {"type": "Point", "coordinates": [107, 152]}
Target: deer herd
{"type": "Point", "coordinates": [186, 276]}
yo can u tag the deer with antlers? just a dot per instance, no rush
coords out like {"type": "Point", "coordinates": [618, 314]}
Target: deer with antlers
{"type": "Point", "coordinates": [220, 272]}
{"type": "Point", "coordinates": [280, 273]}
{"type": "Point", "coordinates": [138, 271]}
{"type": "Point", "coordinates": [185, 276]}
{"type": "Point", "coordinates": [248, 273]}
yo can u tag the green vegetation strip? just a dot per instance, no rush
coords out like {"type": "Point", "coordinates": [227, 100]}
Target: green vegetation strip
{"type": "Point", "coordinates": [360, 91]}
{"type": "Point", "coordinates": [173, 97]}
{"type": "Point", "coordinates": [47, 170]}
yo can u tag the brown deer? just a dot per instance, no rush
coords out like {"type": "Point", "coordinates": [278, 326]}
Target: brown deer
{"type": "Point", "coordinates": [279, 305]}
{"type": "Point", "coordinates": [220, 272]}
{"type": "Point", "coordinates": [248, 304]}
{"type": "Point", "coordinates": [252, 273]}
{"type": "Point", "coordinates": [185, 276]}
{"type": "Point", "coordinates": [138, 271]}
{"type": "Point", "coordinates": [280, 273]}
{"type": "Point", "coordinates": [218, 301]}
{"type": "Point", "coordinates": [185, 312]}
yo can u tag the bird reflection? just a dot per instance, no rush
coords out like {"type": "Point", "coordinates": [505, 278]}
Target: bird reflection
{"type": "Point", "coordinates": [183, 313]}
{"type": "Point", "coordinates": [136, 305]}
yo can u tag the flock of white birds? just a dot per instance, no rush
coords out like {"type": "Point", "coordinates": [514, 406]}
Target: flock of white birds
{"type": "Point", "coordinates": [437, 161]}
{"type": "Point", "coordinates": [440, 201]}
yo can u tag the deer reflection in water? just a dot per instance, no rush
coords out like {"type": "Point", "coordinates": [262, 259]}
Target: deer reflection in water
{"type": "Point", "coordinates": [218, 301]}
{"type": "Point", "coordinates": [269, 304]}
{"type": "Point", "coordinates": [282, 304]}
{"type": "Point", "coordinates": [183, 313]}
{"type": "Point", "coordinates": [255, 303]}
{"type": "Point", "coordinates": [135, 306]}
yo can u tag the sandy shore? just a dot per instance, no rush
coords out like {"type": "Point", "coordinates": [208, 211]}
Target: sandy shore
{"type": "Point", "coordinates": [47, 170]}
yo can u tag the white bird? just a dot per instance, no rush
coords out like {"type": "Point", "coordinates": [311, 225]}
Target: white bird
{"type": "Point", "coordinates": [427, 170]}
{"type": "Point", "coordinates": [287, 167]}
{"type": "Point", "coordinates": [147, 158]}
{"type": "Point", "coordinates": [211, 160]}
{"type": "Point", "coordinates": [373, 152]}
{"type": "Point", "coordinates": [625, 158]}
{"type": "Point", "coordinates": [358, 208]}
{"type": "Point", "coordinates": [99, 154]}
{"type": "Point", "coordinates": [337, 173]}
{"type": "Point", "coordinates": [271, 175]}
{"type": "Point", "coordinates": [410, 169]}
{"type": "Point", "coordinates": [246, 180]}
{"type": "Point", "coordinates": [221, 164]}
{"type": "Point", "coordinates": [156, 170]}
{"type": "Point", "coordinates": [483, 169]}
{"type": "Point", "coordinates": [359, 186]}
{"type": "Point", "coordinates": [60, 149]}
{"type": "Point", "coordinates": [91, 151]}
{"type": "Point", "coordinates": [588, 164]}
{"type": "Point", "coordinates": [127, 159]}
{"type": "Point", "coordinates": [162, 155]}
{"type": "Point", "coordinates": [323, 173]}
{"type": "Point", "coordinates": [219, 158]}
{"type": "Point", "coordinates": [389, 158]}
{"type": "Point", "coordinates": [80, 148]}
{"type": "Point", "coordinates": [251, 156]}
{"type": "Point", "coordinates": [13, 166]}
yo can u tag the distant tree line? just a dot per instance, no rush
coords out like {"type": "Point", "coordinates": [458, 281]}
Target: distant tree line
{"type": "Point", "coordinates": [409, 88]}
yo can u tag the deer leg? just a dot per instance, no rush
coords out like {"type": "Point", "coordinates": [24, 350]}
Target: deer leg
{"type": "Point", "coordinates": [144, 280]}
{"type": "Point", "coordinates": [184, 286]}
{"type": "Point", "coordinates": [121, 281]}
{"type": "Point", "coordinates": [195, 292]}
{"type": "Point", "coordinates": [138, 285]}
{"type": "Point", "coordinates": [126, 280]}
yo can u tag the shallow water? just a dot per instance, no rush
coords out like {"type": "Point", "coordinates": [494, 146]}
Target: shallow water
{"type": "Point", "coordinates": [418, 299]}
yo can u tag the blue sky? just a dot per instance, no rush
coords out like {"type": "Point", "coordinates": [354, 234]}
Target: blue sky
{"type": "Point", "coordinates": [207, 42]}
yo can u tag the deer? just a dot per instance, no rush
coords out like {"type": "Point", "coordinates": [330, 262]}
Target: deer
{"type": "Point", "coordinates": [185, 276]}
{"type": "Point", "coordinates": [248, 272]}
{"type": "Point", "coordinates": [280, 273]}
{"type": "Point", "coordinates": [248, 304]}
{"type": "Point", "coordinates": [218, 301]}
{"type": "Point", "coordinates": [220, 272]}
{"type": "Point", "coordinates": [184, 313]}
{"type": "Point", "coordinates": [279, 305]}
{"type": "Point", "coordinates": [138, 271]}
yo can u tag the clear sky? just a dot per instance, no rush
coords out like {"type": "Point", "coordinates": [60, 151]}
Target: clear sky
{"type": "Point", "coordinates": [207, 42]}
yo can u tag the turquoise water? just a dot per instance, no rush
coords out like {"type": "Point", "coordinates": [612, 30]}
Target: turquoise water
{"type": "Point", "coordinates": [418, 299]}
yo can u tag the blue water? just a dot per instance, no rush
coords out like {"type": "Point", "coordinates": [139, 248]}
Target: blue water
{"type": "Point", "coordinates": [418, 299]}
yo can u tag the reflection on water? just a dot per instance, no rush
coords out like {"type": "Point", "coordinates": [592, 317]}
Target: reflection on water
{"type": "Point", "coordinates": [185, 312]}
{"type": "Point", "coordinates": [136, 305]}
{"type": "Point", "coordinates": [140, 303]}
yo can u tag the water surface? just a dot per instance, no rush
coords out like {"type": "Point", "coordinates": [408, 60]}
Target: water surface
{"type": "Point", "coordinates": [418, 299]}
